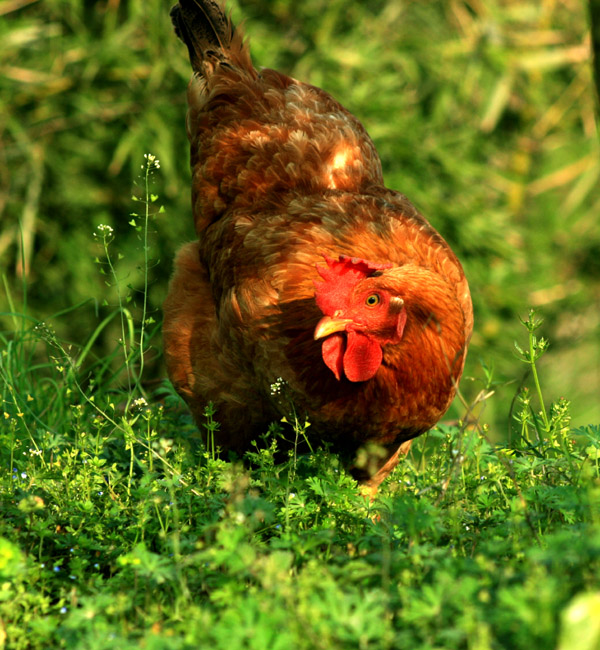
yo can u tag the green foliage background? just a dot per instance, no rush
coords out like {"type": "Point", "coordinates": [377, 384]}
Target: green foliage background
{"type": "Point", "coordinates": [483, 113]}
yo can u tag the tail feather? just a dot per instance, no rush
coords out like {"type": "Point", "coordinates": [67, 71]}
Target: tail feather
{"type": "Point", "coordinates": [210, 36]}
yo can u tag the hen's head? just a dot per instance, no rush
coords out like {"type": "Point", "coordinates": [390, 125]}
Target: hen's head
{"type": "Point", "coordinates": [361, 315]}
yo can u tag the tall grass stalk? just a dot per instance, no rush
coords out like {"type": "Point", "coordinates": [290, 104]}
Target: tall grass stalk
{"type": "Point", "coordinates": [106, 234]}
{"type": "Point", "coordinates": [151, 164]}
{"type": "Point", "coordinates": [132, 344]}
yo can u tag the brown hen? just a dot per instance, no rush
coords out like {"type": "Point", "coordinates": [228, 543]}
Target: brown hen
{"type": "Point", "coordinates": [307, 268]}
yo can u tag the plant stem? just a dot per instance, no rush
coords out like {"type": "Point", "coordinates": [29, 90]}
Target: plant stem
{"type": "Point", "coordinates": [536, 381]}
{"type": "Point", "coordinates": [122, 316]}
{"type": "Point", "coordinates": [147, 200]}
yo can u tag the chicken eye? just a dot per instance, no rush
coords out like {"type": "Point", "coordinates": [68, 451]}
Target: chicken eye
{"type": "Point", "coordinates": [373, 300]}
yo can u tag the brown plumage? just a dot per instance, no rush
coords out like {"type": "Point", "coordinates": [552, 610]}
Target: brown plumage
{"type": "Point", "coordinates": [306, 268]}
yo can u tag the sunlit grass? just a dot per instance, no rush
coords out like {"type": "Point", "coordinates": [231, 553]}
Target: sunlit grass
{"type": "Point", "coordinates": [120, 528]}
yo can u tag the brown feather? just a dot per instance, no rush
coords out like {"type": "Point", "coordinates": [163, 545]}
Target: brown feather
{"type": "Point", "coordinates": [282, 175]}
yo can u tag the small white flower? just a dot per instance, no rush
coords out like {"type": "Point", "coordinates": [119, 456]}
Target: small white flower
{"type": "Point", "coordinates": [276, 386]}
{"type": "Point", "coordinates": [104, 228]}
{"type": "Point", "coordinates": [152, 160]}
{"type": "Point", "coordinates": [140, 402]}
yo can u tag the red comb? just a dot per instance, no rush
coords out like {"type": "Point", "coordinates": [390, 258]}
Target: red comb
{"type": "Point", "coordinates": [339, 277]}
{"type": "Point", "coordinates": [358, 267]}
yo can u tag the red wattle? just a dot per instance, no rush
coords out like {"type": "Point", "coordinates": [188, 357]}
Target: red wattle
{"type": "Point", "coordinates": [362, 357]}
{"type": "Point", "coordinates": [333, 349]}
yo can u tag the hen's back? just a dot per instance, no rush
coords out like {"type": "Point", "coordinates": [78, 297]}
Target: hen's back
{"type": "Point", "coordinates": [258, 138]}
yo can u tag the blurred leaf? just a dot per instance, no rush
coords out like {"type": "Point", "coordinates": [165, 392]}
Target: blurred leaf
{"type": "Point", "coordinates": [581, 623]}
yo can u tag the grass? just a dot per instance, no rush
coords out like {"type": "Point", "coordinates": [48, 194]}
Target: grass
{"type": "Point", "coordinates": [119, 529]}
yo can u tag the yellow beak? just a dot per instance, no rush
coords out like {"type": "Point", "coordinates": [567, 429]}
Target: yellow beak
{"type": "Point", "coordinates": [328, 325]}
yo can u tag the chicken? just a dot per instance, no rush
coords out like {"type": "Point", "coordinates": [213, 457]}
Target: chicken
{"type": "Point", "coordinates": [307, 269]}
